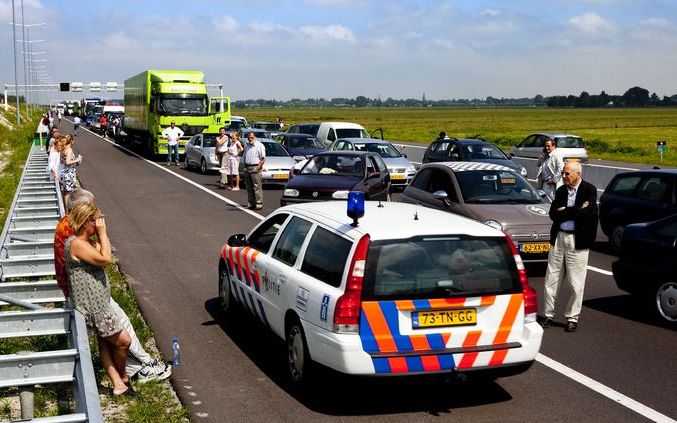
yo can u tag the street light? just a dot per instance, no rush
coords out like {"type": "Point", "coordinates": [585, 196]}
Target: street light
{"type": "Point", "coordinates": [26, 36]}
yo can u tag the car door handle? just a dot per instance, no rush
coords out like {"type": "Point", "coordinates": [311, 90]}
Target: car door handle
{"type": "Point", "coordinates": [282, 279]}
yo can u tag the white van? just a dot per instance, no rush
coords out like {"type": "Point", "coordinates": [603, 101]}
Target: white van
{"type": "Point", "coordinates": [404, 290]}
{"type": "Point", "coordinates": [328, 132]}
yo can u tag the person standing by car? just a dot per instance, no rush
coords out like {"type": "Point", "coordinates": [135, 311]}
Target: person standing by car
{"type": "Point", "coordinates": [172, 134]}
{"type": "Point", "coordinates": [76, 124]}
{"type": "Point", "coordinates": [574, 228]}
{"type": "Point", "coordinates": [103, 124]}
{"type": "Point", "coordinates": [230, 168]}
{"type": "Point", "coordinates": [254, 157]}
{"type": "Point", "coordinates": [221, 149]}
{"type": "Point", "coordinates": [550, 166]}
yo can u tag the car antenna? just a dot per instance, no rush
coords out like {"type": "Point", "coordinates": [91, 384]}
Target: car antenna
{"type": "Point", "coordinates": [380, 204]}
{"type": "Point", "coordinates": [416, 212]}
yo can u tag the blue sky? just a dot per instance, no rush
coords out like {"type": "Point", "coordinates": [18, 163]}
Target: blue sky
{"type": "Point", "coordinates": [345, 48]}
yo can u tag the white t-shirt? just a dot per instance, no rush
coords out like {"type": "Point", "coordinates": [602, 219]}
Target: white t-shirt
{"type": "Point", "coordinates": [172, 135]}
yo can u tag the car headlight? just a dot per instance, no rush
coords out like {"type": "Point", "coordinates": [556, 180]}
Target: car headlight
{"type": "Point", "coordinates": [494, 224]}
{"type": "Point", "coordinates": [523, 172]}
{"type": "Point", "coordinates": [411, 169]}
{"type": "Point", "coordinates": [340, 195]}
{"type": "Point", "coordinates": [290, 192]}
{"type": "Point", "coordinates": [299, 158]}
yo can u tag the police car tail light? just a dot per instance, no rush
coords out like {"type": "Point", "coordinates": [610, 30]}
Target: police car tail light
{"type": "Point", "coordinates": [347, 310]}
{"type": "Point", "coordinates": [529, 294]}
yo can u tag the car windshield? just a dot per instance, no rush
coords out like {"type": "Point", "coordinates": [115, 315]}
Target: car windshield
{"type": "Point", "coordinates": [569, 142]}
{"type": "Point", "coordinates": [482, 151]}
{"type": "Point", "coordinates": [383, 149]}
{"type": "Point", "coordinates": [351, 133]}
{"type": "Point", "coordinates": [274, 149]}
{"type": "Point", "coordinates": [308, 129]}
{"type": "Point", "coordinates": [496, 187]}
{"type": "Point", "coordinates": [307, 143]}
{"type": "Point", "coordinates": [439, 267]}
{"type": "Point", "coordinates": [209, 140]}
{"type": "Point", "coordinates": [193, 105]}
{"type": "Point", "coordinates": [334, 165]}
{"type": "Point", "coordinates": [269, 126]}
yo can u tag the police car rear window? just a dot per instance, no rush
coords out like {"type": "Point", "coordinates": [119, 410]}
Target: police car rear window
{"type": "Point", "coordinates": [439, 267]}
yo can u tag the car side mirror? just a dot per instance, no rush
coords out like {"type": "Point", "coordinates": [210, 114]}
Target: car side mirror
{"type": "Point", "coordinates": [296, 171]}
{"type": "Point", "coordinates": [373, 175]}
{"type": "Point", "coordinates": [237, 240]}
{"type": "Point", "coordinates": [442, 196]}
{"type": "Point", "coordinates": [455, 156]}
{"type": "Point", "coordinates": [541, 193]}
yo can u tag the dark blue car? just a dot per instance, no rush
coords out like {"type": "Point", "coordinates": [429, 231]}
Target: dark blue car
{"type": "Point", "coordinates": [301, 146]}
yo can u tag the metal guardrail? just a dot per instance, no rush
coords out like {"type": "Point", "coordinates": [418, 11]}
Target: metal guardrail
{"type": "Point", "coordinates": [27, 279]}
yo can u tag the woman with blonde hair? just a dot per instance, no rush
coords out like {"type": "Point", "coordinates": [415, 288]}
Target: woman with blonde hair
{"type": "Point", "coordinates": [90, 290]}
{"type": "Point", "coordinates": [68, 180]}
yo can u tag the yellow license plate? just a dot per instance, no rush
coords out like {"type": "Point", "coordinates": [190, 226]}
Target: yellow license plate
{"type": "Point", "coordinates": [396, 176]}
{"type": "Point", "coordinates": [438, 318]}
{"type": "Point", "coordinates": [535, 247]}
{"type": "Point", "coordinates": [280, 176]}
{"type": "Point", "coordinates": [572, 159]}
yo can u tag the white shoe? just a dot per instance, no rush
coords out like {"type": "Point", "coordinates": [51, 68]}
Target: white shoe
{"type": "Point", "coordinates": [154, 370]}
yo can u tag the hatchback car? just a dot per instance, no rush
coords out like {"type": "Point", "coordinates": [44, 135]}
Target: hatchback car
{"type": "Point", "coordinates": [300, 146]}
{"type": "Point", "coordinates": [647, 266]}
{"type": "Point", "coordinates": [201, 152]}
{"type": "Point", "coordinates": [633, 197]}
{"type": "Point", "coordinates": [304, 128]}
{"type": "Point", "coordinates": [331, 175]}
{"type": "Point", "coordinates": [492, 194]}
{"type": "Point", "coordinates": [401, 169]}
{"type": "Point", "coordinates": [572, 147]}
{"type": "Point", "coordinates": [403, 290]}
{"type": "Point", "coordinates": [277, 166]}
{"type": "Point", "coordinates": [468, 150]}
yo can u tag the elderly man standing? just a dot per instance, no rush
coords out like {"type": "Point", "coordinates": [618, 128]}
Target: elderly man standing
{"type": "Point", "coordinates": [550, 167]}
{"type": "Point", "coordinates": [254, 157]}
{"type": "Point", "coordinates": [574, 228]}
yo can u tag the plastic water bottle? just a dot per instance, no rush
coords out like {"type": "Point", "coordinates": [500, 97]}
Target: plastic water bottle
{"type": "Point", "coordinates": [176, 352]}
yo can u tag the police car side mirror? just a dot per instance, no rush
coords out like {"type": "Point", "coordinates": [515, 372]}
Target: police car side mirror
{"type": "Point", "coordinates": [237, 240]}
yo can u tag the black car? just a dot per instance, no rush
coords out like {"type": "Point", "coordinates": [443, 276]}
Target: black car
{"type": "Point", "coordinates": [332, 175]}
{"type": "Point", "coordinates": [301, 146]}
{"type": "Point", "coordinates": [469, 150]}
{"type": "Point", "coordinates": [647, 266]}
{"type": "Point", "coordinates": [634, 197]}
{"type": "Point", "coordinates": [304, 128]}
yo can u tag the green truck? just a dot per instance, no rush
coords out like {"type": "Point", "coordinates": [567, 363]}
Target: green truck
{"type": "Point", "coordinates": [155, 98]}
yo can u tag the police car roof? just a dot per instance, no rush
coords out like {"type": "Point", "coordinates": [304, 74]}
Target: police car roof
{"type": "Point", "coordinates": [392, 221]}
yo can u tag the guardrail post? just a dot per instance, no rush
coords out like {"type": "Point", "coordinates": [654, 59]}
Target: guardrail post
{"type": "Point", "coordinates": [26, 395]}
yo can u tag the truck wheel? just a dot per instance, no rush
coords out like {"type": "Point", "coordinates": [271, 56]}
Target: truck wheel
{"type": "Point", "coordinates": [299, 363]}
{"type": "Point", "coordinates": [203, 166]}
{"type": "Point", "coordinates": [664, 299]}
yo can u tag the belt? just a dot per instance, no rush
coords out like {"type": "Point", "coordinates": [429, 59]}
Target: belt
{"type": "Point", "coordinates": [566, 232]}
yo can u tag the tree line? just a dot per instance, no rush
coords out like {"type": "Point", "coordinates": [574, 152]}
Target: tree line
{"type": "Point", "coordinates": [633, 97]}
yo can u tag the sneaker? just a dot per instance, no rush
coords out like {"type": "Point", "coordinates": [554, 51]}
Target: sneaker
{"type": "Point", "coordinates": [153, 370]}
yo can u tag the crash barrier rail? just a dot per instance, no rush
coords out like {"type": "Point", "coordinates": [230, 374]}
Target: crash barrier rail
{"type": "Point", "coordinates": [27, 280]}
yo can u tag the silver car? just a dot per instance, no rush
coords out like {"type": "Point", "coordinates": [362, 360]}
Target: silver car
{"type": "Point", "coordinates": [571, 147]}
{"type": "Point", "coordinates": [201, 152]}
{"type": "Point", "coordinates": [493, 194]}
{"type": "Point", "coordinates": [401, 170]}
{"type": "Point", "coordinates": [277, 165]}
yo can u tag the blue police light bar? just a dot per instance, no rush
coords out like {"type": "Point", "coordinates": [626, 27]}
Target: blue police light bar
{"type": "Point", "coordinates": [355, 206]}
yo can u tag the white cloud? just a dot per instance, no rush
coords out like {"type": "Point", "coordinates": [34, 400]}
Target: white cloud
{"type": "Point", "coordinates": [226, 23]}
{"type": "Point", "coordinates": [592, 23]}
{"type": "Point", "coordinates": [492, 13]}
{"type": "Point", "coordinates": [656, 23]}
{"type": "Point", "coordinates": [329, 33]}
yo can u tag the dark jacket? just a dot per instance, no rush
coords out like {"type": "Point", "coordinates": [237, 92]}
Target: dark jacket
{"type": "Point", "coordinates": [585, 218]}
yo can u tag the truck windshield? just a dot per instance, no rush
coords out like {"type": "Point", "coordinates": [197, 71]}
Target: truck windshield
{"type": "Point", "coordinates": [195, 105]}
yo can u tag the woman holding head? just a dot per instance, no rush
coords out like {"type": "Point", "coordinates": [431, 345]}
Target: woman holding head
{"type": "Point", "coordinates": [90, 290]}
{"type": "Point", "coordinates": [68, 180]}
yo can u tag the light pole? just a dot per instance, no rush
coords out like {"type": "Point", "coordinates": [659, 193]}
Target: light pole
{"type": "Point", "coordinates": [16, 84]}
{"type": "Point", "coordinates": [28, 49]}
{"type": "Point", "coordinates": [27, 38]}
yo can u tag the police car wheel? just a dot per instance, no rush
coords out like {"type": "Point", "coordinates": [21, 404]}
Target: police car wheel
{"type": "Point", "coordinates": [665, 302]}
{"type": "Point", "coordinates": [298, 358]}
{"type": "Point", "coordinates": [225, 294]}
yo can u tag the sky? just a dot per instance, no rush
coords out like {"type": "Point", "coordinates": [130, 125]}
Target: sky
{"type": "Point", "coordinates": [345, 48]}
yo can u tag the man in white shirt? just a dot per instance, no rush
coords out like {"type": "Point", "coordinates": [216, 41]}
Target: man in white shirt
{"type": "Point", "coordinates": [254, 157]}
{"type": "Point", "coordinates": [172, 134]}
{"type": "Point", "coordinates": [76, 124]}
{"type": "Point", "coordinates": [550, 168]}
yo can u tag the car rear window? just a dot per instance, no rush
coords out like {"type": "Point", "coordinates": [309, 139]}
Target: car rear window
{"type": "Point", "coordinates": [351, 133]}
{"type": "Point", "coordinates": [569, 142]}
{"type": "Point", "coordinates": [439, 267]}
{"type": "Point", "coordinates": [625, 185]}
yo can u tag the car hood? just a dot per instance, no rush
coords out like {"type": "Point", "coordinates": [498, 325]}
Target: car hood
{"type": "Point", "coordinates": [278, 162]}
{"type": "Point", "coordinates": [323, 182]}
{"type": "Point", "coordinates": [512, 215]}
{"type": "Point", "coordinates": [397, 162]}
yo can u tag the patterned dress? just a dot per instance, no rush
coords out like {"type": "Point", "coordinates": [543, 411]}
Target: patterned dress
{"type": "Point", "coordinates": [68, 181]}
{"type": "Point", "coordinates": [90, 292]}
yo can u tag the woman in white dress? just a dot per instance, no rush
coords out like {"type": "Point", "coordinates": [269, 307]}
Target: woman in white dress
{"type": "Point", "coordinates": [230, 168]}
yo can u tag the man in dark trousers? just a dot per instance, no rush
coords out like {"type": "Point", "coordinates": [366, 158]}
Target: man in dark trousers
{"type": "Point", "coordinates": [574, 229]}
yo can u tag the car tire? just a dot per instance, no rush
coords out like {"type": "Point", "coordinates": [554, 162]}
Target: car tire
{"type": "Point", "coordinates": [186, 163]}
{"type": "Point", "coordinates": [299, 364]}
{"type": "Point", "coordinates": [226, 300]}
{"type": "Point", "coordinates": [615, 238]}
{"type": "Point", "coordinates": [664, 302]}
{"type": "Point", "coordinates": [203, 166]}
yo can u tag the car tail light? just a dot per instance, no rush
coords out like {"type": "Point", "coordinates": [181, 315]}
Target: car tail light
{"type": "Point", "coordinates": [347, 310]}
{"type": "Point", "coordinates": [529, 294]}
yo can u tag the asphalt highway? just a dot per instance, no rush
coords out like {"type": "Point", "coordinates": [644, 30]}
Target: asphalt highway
{"type": "Point", "coordinates": [167, 225]}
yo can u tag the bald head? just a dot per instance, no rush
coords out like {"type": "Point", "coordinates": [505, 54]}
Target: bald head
{"type": "Point", "coordinates": [572, 173]}
{"type": "Point", "coordinates": [79, 196]}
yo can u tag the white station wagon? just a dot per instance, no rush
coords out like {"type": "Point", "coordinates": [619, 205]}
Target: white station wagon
{"type": "Point", "coordinates": [404, 290]}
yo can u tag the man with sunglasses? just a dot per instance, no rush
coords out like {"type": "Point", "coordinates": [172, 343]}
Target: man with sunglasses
{"type": "Point", "coordinates": [574, 229]}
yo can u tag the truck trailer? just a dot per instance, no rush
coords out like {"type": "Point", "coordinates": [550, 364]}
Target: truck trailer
{"type": "Point", "coordinates": [155, 98]}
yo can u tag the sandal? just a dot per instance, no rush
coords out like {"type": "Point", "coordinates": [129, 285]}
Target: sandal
{"type": "Point", "coordinates": [130, 392]}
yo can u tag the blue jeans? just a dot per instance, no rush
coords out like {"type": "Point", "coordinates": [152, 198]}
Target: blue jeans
{"type": "Point", "coordinates": [173, 150]}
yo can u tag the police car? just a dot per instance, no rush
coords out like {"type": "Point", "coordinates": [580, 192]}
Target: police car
{"type": "Point", "coordinates": [384, 289]}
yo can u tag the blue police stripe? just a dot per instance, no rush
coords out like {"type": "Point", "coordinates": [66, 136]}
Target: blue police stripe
{"type": "Point", "coordinates": [263, 313]}
{"type": "Point", "coordinates": [446, 361]}
{"type": "Point", "coordinates": [414, 364]}
{"type": "Point", "coordinates": [369, 344]}
{"type": "Point", "coordinates": [233, 289]}
{"type": "Point", "coordinates": [381, 365]}
{"type": "Point", "coordinates": [244, 298]}
{"type": "Point", "coordinates": [253, 306]}
{"type": "Point", "coordinates": [436, 341]}
{"type": "Point", "coordinates": [390, 313]}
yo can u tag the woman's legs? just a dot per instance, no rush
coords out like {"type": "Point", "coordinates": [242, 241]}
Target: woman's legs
{"type": "Point", "coordinates": [118, 345]}
{"type": "Point", "coordinates": [107, 363]}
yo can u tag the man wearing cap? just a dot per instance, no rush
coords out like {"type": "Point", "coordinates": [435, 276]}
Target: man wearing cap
{"type": "Point", "coordinates": [254, 157]}
{"type": "Point", "coordinates": [172, 134]}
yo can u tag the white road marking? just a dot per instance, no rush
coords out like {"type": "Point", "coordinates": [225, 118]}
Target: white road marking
{"type": "Point", "coordinates": [546, 361]}
{"type": "Point", "coordinates": [613, 395]}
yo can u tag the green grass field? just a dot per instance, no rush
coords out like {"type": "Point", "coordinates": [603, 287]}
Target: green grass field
{"type": "Point", "coordinates": [628, 135]}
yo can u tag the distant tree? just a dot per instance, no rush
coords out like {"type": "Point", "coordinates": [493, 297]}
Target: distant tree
{"type": "Point", "coordinates": [361, 101]}
{"type": "Point", "coordinates": [584, 100]}
{"type": "Point", "coordinates": [636, 96]}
